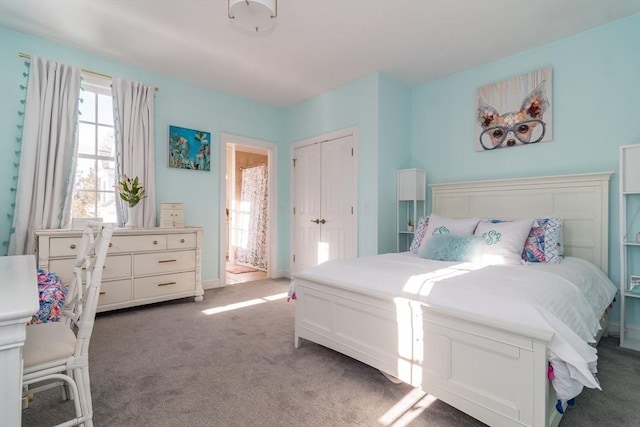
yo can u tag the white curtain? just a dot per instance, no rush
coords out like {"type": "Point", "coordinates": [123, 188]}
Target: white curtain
{"type": "Point", "coordinates": [254, 209]}
{"type": "Point", "coordinates": [47, 160]}
{"type": "Point", "coordinates": [133, 105]}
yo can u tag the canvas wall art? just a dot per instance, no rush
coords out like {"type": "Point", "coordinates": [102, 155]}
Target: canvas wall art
{"type": "Point", "coordinates": [189, 149]}
{"type": "Point", "coordinates": [515, 112]}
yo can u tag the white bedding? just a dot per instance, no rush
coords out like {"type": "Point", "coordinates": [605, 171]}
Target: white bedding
{"type": "Point", "coordinates": [567, 299]}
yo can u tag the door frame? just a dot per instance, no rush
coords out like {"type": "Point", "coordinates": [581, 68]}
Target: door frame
{"type": "Point", "coordinates": [272, 168]}
{"type": "Point", "coordinates": [353, 131]}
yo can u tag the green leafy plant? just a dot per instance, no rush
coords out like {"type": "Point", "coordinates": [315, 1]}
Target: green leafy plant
{"type": "Point", "coordinates": [409, 222]}
{"type": "Point", "coordinates": [130, 190]}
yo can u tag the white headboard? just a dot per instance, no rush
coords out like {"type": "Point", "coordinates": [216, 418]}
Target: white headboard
{"type": "Point", "coordinates": [582, 201]}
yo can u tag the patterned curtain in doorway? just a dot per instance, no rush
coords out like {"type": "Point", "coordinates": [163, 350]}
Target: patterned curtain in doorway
{"type": "Point", "coordinates": [252, 249]}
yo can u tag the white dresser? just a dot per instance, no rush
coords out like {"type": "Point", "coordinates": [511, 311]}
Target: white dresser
{"type": "Point", "coordinates": [143, 266]}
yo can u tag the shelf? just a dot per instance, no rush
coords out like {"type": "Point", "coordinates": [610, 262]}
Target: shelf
{"type": "Point", "coordinates": [629, 192]}
{"type": "Point", "coordinates": [411, 204]}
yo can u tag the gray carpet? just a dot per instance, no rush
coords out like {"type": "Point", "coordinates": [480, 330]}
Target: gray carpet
{"type": "Point", "coordinates": [171, 364]}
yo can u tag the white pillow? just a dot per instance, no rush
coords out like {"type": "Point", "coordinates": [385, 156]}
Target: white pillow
{"type": "Point", "coordinates": [503, 241]}
{"type": "Point", "coordinates": [461, 227]}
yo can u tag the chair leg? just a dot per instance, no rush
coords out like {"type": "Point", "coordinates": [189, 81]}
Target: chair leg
{"type": "Point", "coordinates": [84, 394]}
{"type": "Point", "coordinates": [74, 389]}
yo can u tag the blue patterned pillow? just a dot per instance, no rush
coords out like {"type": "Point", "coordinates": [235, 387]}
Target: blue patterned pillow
{"type": "Point", "coordinates": [544, 243]}
{"type": "Point", "coordinates": [449, 247]}
{"type": "Point", "coordinates": [421, 229]}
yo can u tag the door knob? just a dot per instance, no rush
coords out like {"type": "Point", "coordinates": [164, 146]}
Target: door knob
{"type": "Point", "coordinates": [317, 221]}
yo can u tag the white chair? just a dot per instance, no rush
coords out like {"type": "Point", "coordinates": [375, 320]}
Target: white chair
{"type": "Point", "coordinates": [55, 351]}
{"type": "Point", "coordinates": [72, 308]}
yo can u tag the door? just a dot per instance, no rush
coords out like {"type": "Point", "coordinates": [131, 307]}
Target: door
{"type": "Point", "coordinates": [324, 220]}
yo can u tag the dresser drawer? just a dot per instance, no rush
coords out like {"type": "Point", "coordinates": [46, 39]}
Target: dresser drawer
{"type": "Point", "coordinates": [181, 241]}
{"type": "Point", "coordinates": [114, 292]}
{"type": "Point", "coordinates": [163, 262]}
{"type": "Point", "coordinates": [149, 287]}
{"type": "Point", "coordinates": [114, 267]}
{"type": "Point", "coordinates": [151, 242]}
{"type": "Point", "coordinates": [64, 246]}
{"type": "Point", "coordinates": [63, 268]}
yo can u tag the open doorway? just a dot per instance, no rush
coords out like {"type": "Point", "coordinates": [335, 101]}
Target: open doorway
{"type": "Point", "coordinates": [248, 222]}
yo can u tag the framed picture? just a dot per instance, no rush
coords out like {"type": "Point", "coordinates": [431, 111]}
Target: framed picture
{"type": "Point", "coordinates": [189, 149]}
{"type": "Point", "coordinates": [514, 112]}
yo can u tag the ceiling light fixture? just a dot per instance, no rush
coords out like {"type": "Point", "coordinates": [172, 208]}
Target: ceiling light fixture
{"type": "Point", "coordinates": [253, 15]}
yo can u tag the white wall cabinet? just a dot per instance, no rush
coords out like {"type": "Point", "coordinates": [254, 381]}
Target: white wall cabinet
{"type": "Point", "coordinates": [629, 245]}
{"type": "Point", "coordinates": [411, 200]}
{"type": "Point", "coordinates": [143, 266]}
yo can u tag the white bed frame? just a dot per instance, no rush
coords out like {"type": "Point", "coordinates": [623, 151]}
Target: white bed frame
{"type": "Point", "coordinates": [493, 371]}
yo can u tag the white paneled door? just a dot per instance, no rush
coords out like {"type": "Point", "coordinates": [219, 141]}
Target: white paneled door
{"type": "Point", "coordinates": [324, 202]}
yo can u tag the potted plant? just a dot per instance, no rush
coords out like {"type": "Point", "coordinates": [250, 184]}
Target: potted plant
{"type": "Point", "coordinates": [409, 225]}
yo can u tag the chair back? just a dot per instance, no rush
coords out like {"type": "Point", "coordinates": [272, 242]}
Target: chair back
{"type": "Point", "coordinates": [93, 279]}
{"type": "Point", "coordinates": [73, 302]}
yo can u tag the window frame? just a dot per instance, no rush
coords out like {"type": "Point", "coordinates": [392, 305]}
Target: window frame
{"type": "Point", "coordinates": [98, 86]}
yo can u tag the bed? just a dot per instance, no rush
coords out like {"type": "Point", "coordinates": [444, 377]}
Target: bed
{"type": "Point", "coordinates": [489, 364]}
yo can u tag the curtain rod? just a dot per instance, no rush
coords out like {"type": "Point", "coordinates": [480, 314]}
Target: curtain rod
{"type": "Point", "coordinates": [94, 73]}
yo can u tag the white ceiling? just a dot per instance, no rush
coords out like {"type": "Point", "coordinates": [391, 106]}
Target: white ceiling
{"type": "Point", "coordinates": [316, 45]}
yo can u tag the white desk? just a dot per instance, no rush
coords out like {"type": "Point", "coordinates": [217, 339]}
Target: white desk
{"type": "Point", "coordinates": [18, 302]}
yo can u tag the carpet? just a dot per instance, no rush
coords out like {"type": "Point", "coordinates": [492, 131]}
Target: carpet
{"type": "Point", "coordinates": [229, 361]}
{"type": "Point", "coordinates": [239, 269]}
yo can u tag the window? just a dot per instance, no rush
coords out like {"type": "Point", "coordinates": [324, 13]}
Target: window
{"type": "Point", "coordinates": [93, 193]}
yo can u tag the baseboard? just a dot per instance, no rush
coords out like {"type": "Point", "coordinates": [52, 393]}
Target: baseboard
{"type": "Point", "coordinates": [631, 331]}
{"type": "Point", "coordinates": [215, 283]}
{"type": "Point", "coordinates": [281, 274]}
{"type": "Point", "coordinates": [211, 284]}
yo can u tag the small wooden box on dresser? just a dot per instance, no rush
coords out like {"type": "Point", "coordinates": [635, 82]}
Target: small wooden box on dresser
{"type": "Point", "coordinates": [143, 266]}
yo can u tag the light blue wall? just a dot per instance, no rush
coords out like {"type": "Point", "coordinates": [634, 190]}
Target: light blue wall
{"type": "Point", "coordinates": [177, 103]}
{"type": "Point", "coordinates": [596, 104]}
{"type": "Point", "coordinates": [596, 99]}
{"type": "Point", "coordinates": [394, 148]}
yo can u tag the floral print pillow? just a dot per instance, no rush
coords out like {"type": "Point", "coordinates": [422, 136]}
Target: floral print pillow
{"type": "Point", "coordinates": [421, 229]}
{"type": "Point", "coordinates": [544, 243]}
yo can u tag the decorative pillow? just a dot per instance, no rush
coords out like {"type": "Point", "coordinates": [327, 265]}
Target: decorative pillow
{"type": "Point", "coordinates": [443, 225]}
{"type": "Point", "coordinates": [449, 247]}
{"type": "Point", "coordinates": [421, 228]}
{"type": "Point", "coordinates": [544, 243]}
{"type": "Point", "coordinates": [52, 294]}
{"type": "Point", "coordinates": [503, 241]}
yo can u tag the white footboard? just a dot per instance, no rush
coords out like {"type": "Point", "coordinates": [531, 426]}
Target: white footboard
{"type": "Point", "coordinates": [494, 372]}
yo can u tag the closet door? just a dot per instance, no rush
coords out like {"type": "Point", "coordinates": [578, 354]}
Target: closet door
{"type": "Point", "coordinates": [324, 221]}
{"type": "Point", "coordinates": [337, 232]}
{"type": "Point", "coordinates": [306, 207]}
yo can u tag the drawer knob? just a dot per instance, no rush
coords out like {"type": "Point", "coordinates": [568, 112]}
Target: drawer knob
{"type": "Point", "coordinates": [73, 246]}
{"type": "Point", "coordinates": [103, 292]}
{"type": "Point", "coordinates": [166, 283]}
{"type": "Point", "coordinates": [110, 244]}
{"type": "Point", "coordinates": [166, 260]}
{"type": "Point", "coordinates": [155, 242]}
{"type": "Point", "coordinates": [181, 240]}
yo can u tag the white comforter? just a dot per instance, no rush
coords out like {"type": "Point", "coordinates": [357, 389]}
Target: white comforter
{"type": "Point", "coordinates": [567, 298]}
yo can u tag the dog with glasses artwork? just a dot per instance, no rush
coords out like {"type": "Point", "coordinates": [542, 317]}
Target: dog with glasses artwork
{"type": "Point", "coordinates": [521, 127]}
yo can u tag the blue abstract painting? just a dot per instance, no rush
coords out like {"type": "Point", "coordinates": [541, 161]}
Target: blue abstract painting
{"type": "Point", "coordinates": [189, 149]}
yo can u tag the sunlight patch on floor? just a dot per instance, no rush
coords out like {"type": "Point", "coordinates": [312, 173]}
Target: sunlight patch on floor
{"type": "Point", "coordinates": [244, 304]}
{"type": "Point", "coordinates": [407, 409]}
